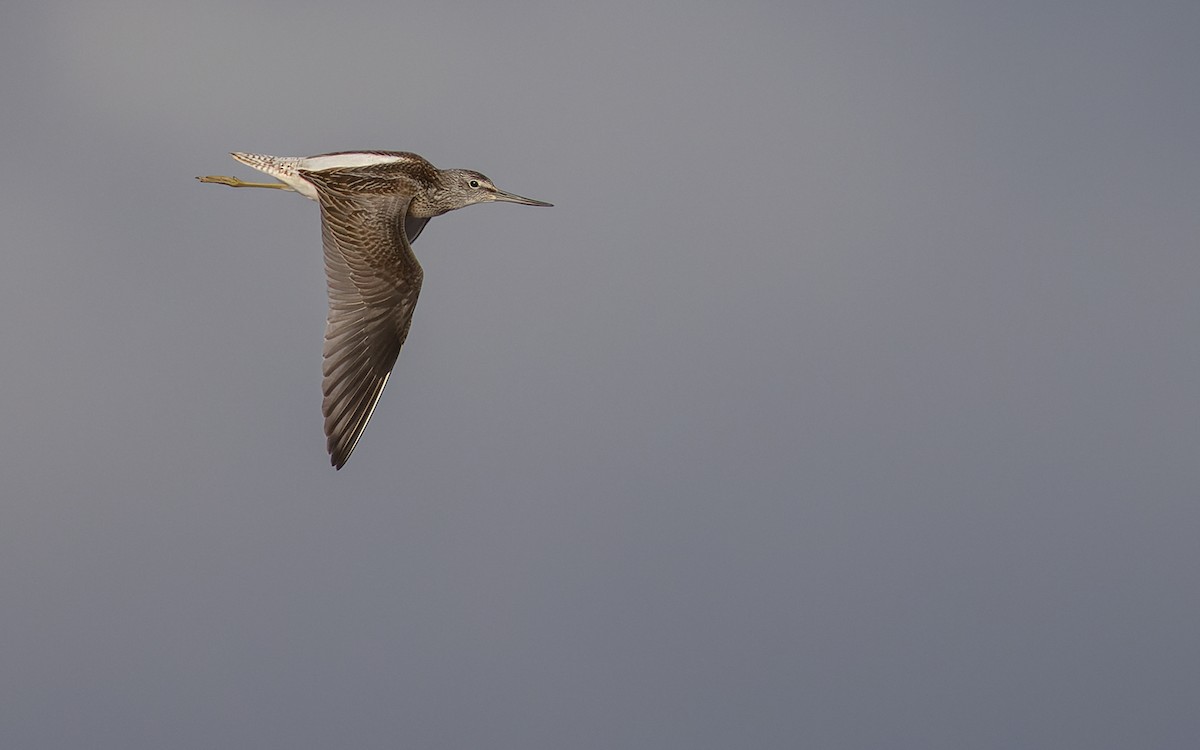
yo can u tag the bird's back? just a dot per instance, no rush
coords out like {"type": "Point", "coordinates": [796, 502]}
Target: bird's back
{"type": "Point", "coordinates": [287, 169]}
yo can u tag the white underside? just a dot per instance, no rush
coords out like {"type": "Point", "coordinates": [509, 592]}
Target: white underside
{"type": "Point", "coordinates": [285, 168]}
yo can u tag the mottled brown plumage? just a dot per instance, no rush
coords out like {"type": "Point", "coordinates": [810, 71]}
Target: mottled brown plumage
{"type": "Point", "coordinates": [373, 205]}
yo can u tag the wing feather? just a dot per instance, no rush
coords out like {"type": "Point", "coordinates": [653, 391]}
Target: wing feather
{"type": "Point", "coordinates": [373, 281]}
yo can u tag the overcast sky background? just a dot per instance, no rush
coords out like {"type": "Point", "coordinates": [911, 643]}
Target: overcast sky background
{"type": "Point", "coordinates": [848, 397]}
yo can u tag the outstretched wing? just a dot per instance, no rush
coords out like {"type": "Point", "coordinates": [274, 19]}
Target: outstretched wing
{"type": "Point", "coordinates": [373, 280]}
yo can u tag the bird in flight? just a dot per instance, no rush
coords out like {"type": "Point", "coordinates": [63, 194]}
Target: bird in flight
{"type": "Point", "coordinates": [374, 204]}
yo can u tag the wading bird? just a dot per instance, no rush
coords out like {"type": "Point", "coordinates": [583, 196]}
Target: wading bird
{"type": "Point", "coordinates": [374, 204]}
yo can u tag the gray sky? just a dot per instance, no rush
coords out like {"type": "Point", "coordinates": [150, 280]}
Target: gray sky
{"type": "Point", "coordinates": [847, 398]}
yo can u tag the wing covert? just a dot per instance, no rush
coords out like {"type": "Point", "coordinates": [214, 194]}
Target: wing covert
{"type": "Point", "coordinates": [373, 281]}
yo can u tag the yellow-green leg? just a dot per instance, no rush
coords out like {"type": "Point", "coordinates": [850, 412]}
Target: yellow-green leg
{"type": "Point", "coordinates": [235, 182]}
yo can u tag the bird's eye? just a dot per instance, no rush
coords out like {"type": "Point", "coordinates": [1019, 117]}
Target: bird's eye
{"type": "Point", "coordinates": [474, 183]}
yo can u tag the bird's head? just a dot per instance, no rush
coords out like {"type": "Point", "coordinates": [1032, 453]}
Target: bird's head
{"type": "Point", "coordinates": [472, 187]}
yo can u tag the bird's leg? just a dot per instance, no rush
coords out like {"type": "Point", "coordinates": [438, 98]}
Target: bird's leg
{"type": "Point", "coordinates": [235, 182]}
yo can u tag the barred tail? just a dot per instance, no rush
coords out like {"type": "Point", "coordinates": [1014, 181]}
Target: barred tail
{"type": "Point", "coordinates": [279, 167]}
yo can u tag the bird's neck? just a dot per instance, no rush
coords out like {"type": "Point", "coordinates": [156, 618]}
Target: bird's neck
{"type": "Point", "coordinates": [424, 206]}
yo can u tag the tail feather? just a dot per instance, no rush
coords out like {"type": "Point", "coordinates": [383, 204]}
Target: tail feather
{"type": "Point", "coordinates": [283, 168]}
{"type": "Point", "coordinates": [276, 166]}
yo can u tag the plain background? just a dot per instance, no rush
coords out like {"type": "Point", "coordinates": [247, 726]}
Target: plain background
{"type": "Point", "coordinates": [847, 397]}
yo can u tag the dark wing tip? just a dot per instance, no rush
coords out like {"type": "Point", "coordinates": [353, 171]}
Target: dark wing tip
{"type": "Point", "coordinates": [341, 444]}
